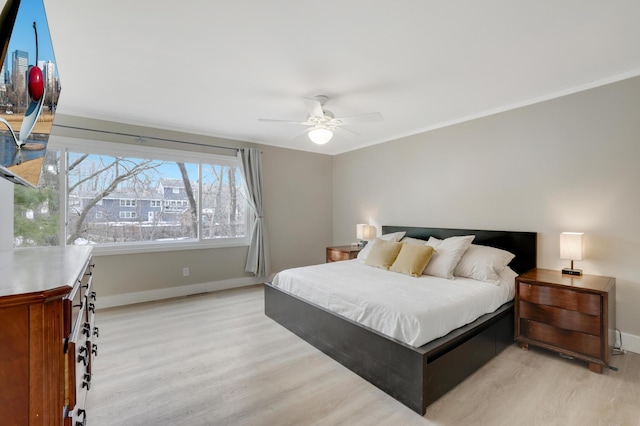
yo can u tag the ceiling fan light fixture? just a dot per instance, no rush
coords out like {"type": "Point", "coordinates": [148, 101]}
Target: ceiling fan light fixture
{"type": "Point", "coordinates": [320, 135]}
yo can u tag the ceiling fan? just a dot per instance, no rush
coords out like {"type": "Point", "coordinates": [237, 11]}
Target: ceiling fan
{"type": "Point", "coordinates": [322, 123]}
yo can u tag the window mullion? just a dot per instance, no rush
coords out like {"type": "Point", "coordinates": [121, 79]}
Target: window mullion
{"type": "Point", "coordinates": [62, 197]}
{"type": "Point", "coordinates": [200, 227]}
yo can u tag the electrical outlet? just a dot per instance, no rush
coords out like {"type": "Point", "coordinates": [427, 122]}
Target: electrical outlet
{"type": "Point", "coordinates": [185, 272]}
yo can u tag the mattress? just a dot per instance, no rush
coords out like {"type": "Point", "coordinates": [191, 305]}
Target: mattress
{"type": "Point", "coordinates": [412, 310]}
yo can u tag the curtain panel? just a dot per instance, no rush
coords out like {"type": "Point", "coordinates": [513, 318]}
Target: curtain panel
{"type": "Point", "coordinates": [258, 261]}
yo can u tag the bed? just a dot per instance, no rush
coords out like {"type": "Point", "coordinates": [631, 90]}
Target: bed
{"type": "Point", "coordinates": [415, 376]}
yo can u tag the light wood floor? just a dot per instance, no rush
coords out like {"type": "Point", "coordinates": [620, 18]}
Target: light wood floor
{"type": "Point", "coordinates": [215, 359]}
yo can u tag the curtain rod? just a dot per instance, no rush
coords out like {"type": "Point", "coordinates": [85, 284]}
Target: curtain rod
{"type": "Point", "coordinates": [143, 138]}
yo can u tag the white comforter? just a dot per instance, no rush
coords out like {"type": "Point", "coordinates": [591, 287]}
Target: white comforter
{"type": "Point", "coordinates": [412, 310]}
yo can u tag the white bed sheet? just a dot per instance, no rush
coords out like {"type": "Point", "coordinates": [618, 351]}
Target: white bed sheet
{"type": "Point", "coordinates": [412, 310]}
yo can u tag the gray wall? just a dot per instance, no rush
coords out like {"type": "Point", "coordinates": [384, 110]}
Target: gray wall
{"type": "Point", "coordinates": [569, 164]}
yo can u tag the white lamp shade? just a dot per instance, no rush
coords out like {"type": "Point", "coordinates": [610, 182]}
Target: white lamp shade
{"type": "Point", "coordinates": [571, 245]}
{"type": "Point", "coordinates": [320, 135]}
{"type": "Point", "coordinates": [365, 232]}
{"type": "Point", "coordinates": [360, 231]}
{"type": "Point", "coordinates": [369, 232]}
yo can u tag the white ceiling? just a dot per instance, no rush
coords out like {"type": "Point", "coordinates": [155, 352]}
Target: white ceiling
{"type": "Point", "coordinates": [214, 67]}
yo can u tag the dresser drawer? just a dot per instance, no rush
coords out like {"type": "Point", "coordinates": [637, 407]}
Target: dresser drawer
{"type": "Point", "coordinates": [574, 341]}
{"type": "Point", "coordinates": [562, 318]}
{"type": "Point", "coordinates": [80, 348]}
{"type": "Point", "coordinates": [587, 303]}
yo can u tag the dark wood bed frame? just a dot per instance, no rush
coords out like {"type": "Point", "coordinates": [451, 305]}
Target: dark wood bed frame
{"type": "Point", "coordinates": [414, 376]}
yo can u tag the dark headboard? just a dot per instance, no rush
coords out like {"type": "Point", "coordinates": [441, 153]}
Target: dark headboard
{"type": "Point", "coordinates": [522, 244]}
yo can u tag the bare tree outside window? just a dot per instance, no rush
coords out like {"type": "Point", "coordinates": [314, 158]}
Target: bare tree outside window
{"type": "Point", "coordinates": [150, 200]}
{"type": "Point", "coordinates": [223, 214]}
{"type": "Point", "coordinates": [94, 178]}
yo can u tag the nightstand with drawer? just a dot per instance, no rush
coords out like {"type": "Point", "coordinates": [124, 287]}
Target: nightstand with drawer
{"type": "Point", "coordinates": [571, 315]}
{"type": "Point", "coordinates": [337, 253]}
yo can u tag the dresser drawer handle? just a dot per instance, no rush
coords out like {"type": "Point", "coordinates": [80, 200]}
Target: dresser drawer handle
{"type": "Point", "coordinates": [82, 359]}
{"type": "Point", "coordinates": [92, 307]}
{"type": "Point", "coordinates": [94, 350]}
{"type": "Point", "coordinates": [96, 332]}
{"type": "Point", "coordinates": [92, 295]}
{"type": "Point", "coordinates": [82, 413]}
{"type": "Point", "coordinates": [86, 329]}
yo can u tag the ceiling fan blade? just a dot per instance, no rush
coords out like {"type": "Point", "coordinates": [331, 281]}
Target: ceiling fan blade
{"type": "Point", "coordinates": [360, 118]}
{"type": "Point", "coordinates": [345, 132]}
{"type": "Point", "coordinates": [314, 106]}
{"type": "Point", "coordinates": [305, 123]}
{"type": "Point", "coordinates": [297, 135]}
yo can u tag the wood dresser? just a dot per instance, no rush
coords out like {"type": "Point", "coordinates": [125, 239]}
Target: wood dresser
{"type": "Point", "coordinates": [338, 253]}
{"type": "Point", "coordinates": [48, 335]}
{"type": "Point", "coordinates": [572, 315]}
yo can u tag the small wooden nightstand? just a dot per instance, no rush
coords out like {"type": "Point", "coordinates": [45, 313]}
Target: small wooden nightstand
{"type": "Point", "coordinates": [337, 253]}
{"type": "Point", "coordinates": [572, 315]}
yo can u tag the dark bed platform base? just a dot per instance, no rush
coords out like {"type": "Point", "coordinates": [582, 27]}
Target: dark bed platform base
{"type": "Point", "coordinates": [414, 376]}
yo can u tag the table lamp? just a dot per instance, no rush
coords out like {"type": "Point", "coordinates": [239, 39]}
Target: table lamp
{"type": "Point", "coordinates": [571, 249]}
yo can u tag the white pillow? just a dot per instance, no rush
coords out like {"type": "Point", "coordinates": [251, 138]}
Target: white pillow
{"type": "Point", "coordinates": [508, 281]}
{"type": "Point", "coordinates": [483, 263]}
{"type": "Point", "coordinates": [414, 241]}
{"type": "Point", "coordinates": [395, 236]}
{"type": "Point", "coordinates": [448, 253]}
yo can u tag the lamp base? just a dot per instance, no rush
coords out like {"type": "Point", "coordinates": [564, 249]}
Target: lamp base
{"type": "Point", "coordinates": [567, 271]}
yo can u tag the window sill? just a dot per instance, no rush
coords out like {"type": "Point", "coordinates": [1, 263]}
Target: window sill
{"type": "Point", "coordinates": [134, 248]}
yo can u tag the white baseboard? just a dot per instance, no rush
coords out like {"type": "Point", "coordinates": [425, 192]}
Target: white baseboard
{"type": "Point", "coordinates": [630, 343]}
{"type": "Point", "coordinates": [167, 293]}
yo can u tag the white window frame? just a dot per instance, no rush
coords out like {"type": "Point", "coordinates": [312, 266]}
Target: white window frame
{"type": "Point", "coordinates": [66, 144]}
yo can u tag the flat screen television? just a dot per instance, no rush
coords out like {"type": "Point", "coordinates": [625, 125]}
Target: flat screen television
{"type": "Point", "coordinates": [29, 90]}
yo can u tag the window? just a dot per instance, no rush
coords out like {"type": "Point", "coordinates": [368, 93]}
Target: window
{"type": "Point", "coordinates": [119, 199]}
{"type": "Point", "coordinates": [33, 224]}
